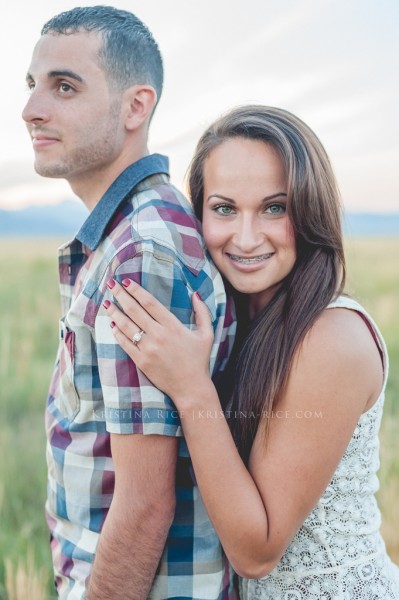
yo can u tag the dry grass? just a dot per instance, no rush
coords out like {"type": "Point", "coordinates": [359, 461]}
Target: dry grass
{"type": "Point", "coordinates": [24, 581]}
{"type": "Point", "coordinates": [28, 338]}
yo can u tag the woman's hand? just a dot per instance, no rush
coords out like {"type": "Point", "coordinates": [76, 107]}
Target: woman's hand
{"type": "Point", "coordinates": [175, 359]}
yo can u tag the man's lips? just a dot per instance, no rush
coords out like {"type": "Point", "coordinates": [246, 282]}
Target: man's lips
{"type": "Point", "coordinates": [40, 139]}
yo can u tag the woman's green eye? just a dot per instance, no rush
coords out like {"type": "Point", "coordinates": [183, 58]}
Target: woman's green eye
{"type": "Point", "coordinates": [223, 209]}
{"type": "Point", "coordinates": [276, 209]}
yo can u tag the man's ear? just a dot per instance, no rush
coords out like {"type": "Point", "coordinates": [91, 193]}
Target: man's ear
{"type": "Point", "coordinates": [140, 102]}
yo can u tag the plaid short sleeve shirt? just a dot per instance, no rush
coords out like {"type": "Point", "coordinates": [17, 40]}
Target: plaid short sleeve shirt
{"type": "Point", "coordinates": [144, 229]}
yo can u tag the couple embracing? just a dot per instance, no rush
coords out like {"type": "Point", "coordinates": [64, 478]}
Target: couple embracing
{"type": "Point", "coordinates": [213, 416]}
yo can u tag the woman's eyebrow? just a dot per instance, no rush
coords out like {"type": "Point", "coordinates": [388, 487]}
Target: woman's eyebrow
{"type": "Point", "coordinates": [221, 197]}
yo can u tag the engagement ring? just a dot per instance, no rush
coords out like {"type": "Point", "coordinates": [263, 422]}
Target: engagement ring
{"type": "Point", "coordinates": [137, 337]}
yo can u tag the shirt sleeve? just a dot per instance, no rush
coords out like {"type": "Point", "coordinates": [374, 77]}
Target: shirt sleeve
{"type": "Point", "coordinates": [131, 403]}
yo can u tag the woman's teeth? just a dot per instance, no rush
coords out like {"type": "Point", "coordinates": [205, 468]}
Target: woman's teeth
{"type": "Point", "coordinates": [250, 261]}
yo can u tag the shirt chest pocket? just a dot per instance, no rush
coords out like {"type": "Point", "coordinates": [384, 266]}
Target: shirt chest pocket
{"type": "Point", "coordinates": [65, 394]}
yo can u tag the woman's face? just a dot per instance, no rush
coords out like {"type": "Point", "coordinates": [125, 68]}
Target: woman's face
{"type": "Point", "coordinates": [245, 223]}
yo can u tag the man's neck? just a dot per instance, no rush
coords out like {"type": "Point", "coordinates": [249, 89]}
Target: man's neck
{"type": "Point", "coordinates": [90, 187]}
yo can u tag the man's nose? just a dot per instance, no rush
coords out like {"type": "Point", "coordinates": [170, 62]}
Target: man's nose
{"type": "Point", "coordinates": [36, 109]}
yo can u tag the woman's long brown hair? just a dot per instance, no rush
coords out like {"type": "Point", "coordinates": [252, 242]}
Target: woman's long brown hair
{"type": "Point", "coordinates": [262, 363]}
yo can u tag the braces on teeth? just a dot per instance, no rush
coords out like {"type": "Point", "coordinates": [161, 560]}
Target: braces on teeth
{"type": "Point", "coordinates": [248, 261]}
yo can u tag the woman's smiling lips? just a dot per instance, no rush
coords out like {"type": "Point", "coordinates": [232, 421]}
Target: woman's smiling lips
{"type": "Point", "coordinates": [249, 261]}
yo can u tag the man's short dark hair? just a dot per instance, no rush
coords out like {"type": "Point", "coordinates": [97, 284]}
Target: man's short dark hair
{"type": "Point", "coordinates": [129, 54]}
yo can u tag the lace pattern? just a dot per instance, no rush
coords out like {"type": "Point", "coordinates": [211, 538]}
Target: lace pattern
{"type": "Point", "coordinates": [338, 553]}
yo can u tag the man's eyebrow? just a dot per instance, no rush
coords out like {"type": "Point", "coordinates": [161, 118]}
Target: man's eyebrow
{"type": "Point", "coordinates": [233, 201]}
{"type": "Point", "coordinates": [59, 73]}
{"type": "Point", "coordinates": [65, 73]}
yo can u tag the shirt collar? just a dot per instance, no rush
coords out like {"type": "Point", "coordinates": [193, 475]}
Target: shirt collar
{"type": "Point", "coordinates": [93, 228]}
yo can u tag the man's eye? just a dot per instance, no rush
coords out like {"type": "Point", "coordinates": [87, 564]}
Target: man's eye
{"type": "Point", "coordinates": [65, 87]}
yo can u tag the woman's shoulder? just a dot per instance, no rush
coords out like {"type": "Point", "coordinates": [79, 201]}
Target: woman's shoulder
{"type": "Point", "coordinates": [338, 359]}
{"type": "Point", "coordinates": [344, 340]}
{"type": "Point", "coordinates": [345, 328]}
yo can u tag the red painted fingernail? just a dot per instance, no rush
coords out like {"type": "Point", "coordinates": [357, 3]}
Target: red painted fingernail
{"type": "Point", "coordinates": [111, 283]}
{"type": "Point", "coordinates": [112, 324]}
{"type": "Point", "coordinates": [126, 282]}
{"type": "Point", "coordinates": [106, 304]}
{"type": "Point", "coordinates": [198, 295]}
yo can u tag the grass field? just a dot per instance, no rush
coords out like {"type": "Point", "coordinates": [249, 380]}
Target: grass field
{"type": "Point", "coordinates": [28, 338]}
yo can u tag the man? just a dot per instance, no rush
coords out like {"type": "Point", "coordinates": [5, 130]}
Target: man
{"type": "Point", "coordinates": [125, 515]}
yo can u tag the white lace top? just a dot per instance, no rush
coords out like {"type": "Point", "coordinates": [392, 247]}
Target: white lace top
{"type": "Point", "coordinates": [338, 553]}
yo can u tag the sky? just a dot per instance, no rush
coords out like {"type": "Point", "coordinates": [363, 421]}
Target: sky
{"type": "Point", "coordinates": [334, 63]}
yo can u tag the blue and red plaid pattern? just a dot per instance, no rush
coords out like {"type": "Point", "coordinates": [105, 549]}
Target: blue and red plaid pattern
{"type": "Point", "coordinates": [144, 229]}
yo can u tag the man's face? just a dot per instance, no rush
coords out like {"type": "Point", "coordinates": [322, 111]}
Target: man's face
{"type": "Point", "coordinates": [73, 117]}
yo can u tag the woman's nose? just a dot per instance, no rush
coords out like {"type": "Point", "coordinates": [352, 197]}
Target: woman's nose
{"type": "Point", "coordinates": [248, 235]}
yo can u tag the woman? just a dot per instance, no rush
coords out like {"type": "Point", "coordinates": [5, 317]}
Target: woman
{"type": "Point", "coordinates": [288, 472]}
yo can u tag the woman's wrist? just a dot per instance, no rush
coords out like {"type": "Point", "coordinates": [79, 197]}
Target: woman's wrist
{"type": "Point", "coordinates": [201, 396]}
{"type": "Point", "coordinates": [200, 411]}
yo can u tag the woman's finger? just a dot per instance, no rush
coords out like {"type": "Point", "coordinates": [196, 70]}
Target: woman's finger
{"type": "Point", "coordinates": [146, 300]}
{"type": "Point", "coordinates": [130, 306]}
{"type": "Point", "coordinates": [202, 315]}
{"type": "Point", "coordinates": [125, 342]}
{"type": "Point", "coordinates": [123, 322]}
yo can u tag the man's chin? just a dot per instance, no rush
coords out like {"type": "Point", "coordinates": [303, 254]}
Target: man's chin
{"type": "Point", "coordinates": [53, 170]}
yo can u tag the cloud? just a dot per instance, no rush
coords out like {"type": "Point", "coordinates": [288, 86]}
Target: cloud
{"type": "Point", "coordinates": [334, 63]}
{"type": "Point", "coordinates": [20, 187]}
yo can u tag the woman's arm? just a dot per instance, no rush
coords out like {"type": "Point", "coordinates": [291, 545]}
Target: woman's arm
{"type": "Point", "coordinates": [336, 375]}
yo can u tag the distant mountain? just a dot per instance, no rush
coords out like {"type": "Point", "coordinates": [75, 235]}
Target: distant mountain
{"type": "Point", "coordinates": [56, 220]}
{"type": "Point", "coordinates": [371, 224]}
{"type": "Point", "coordinates": [66, 218]}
